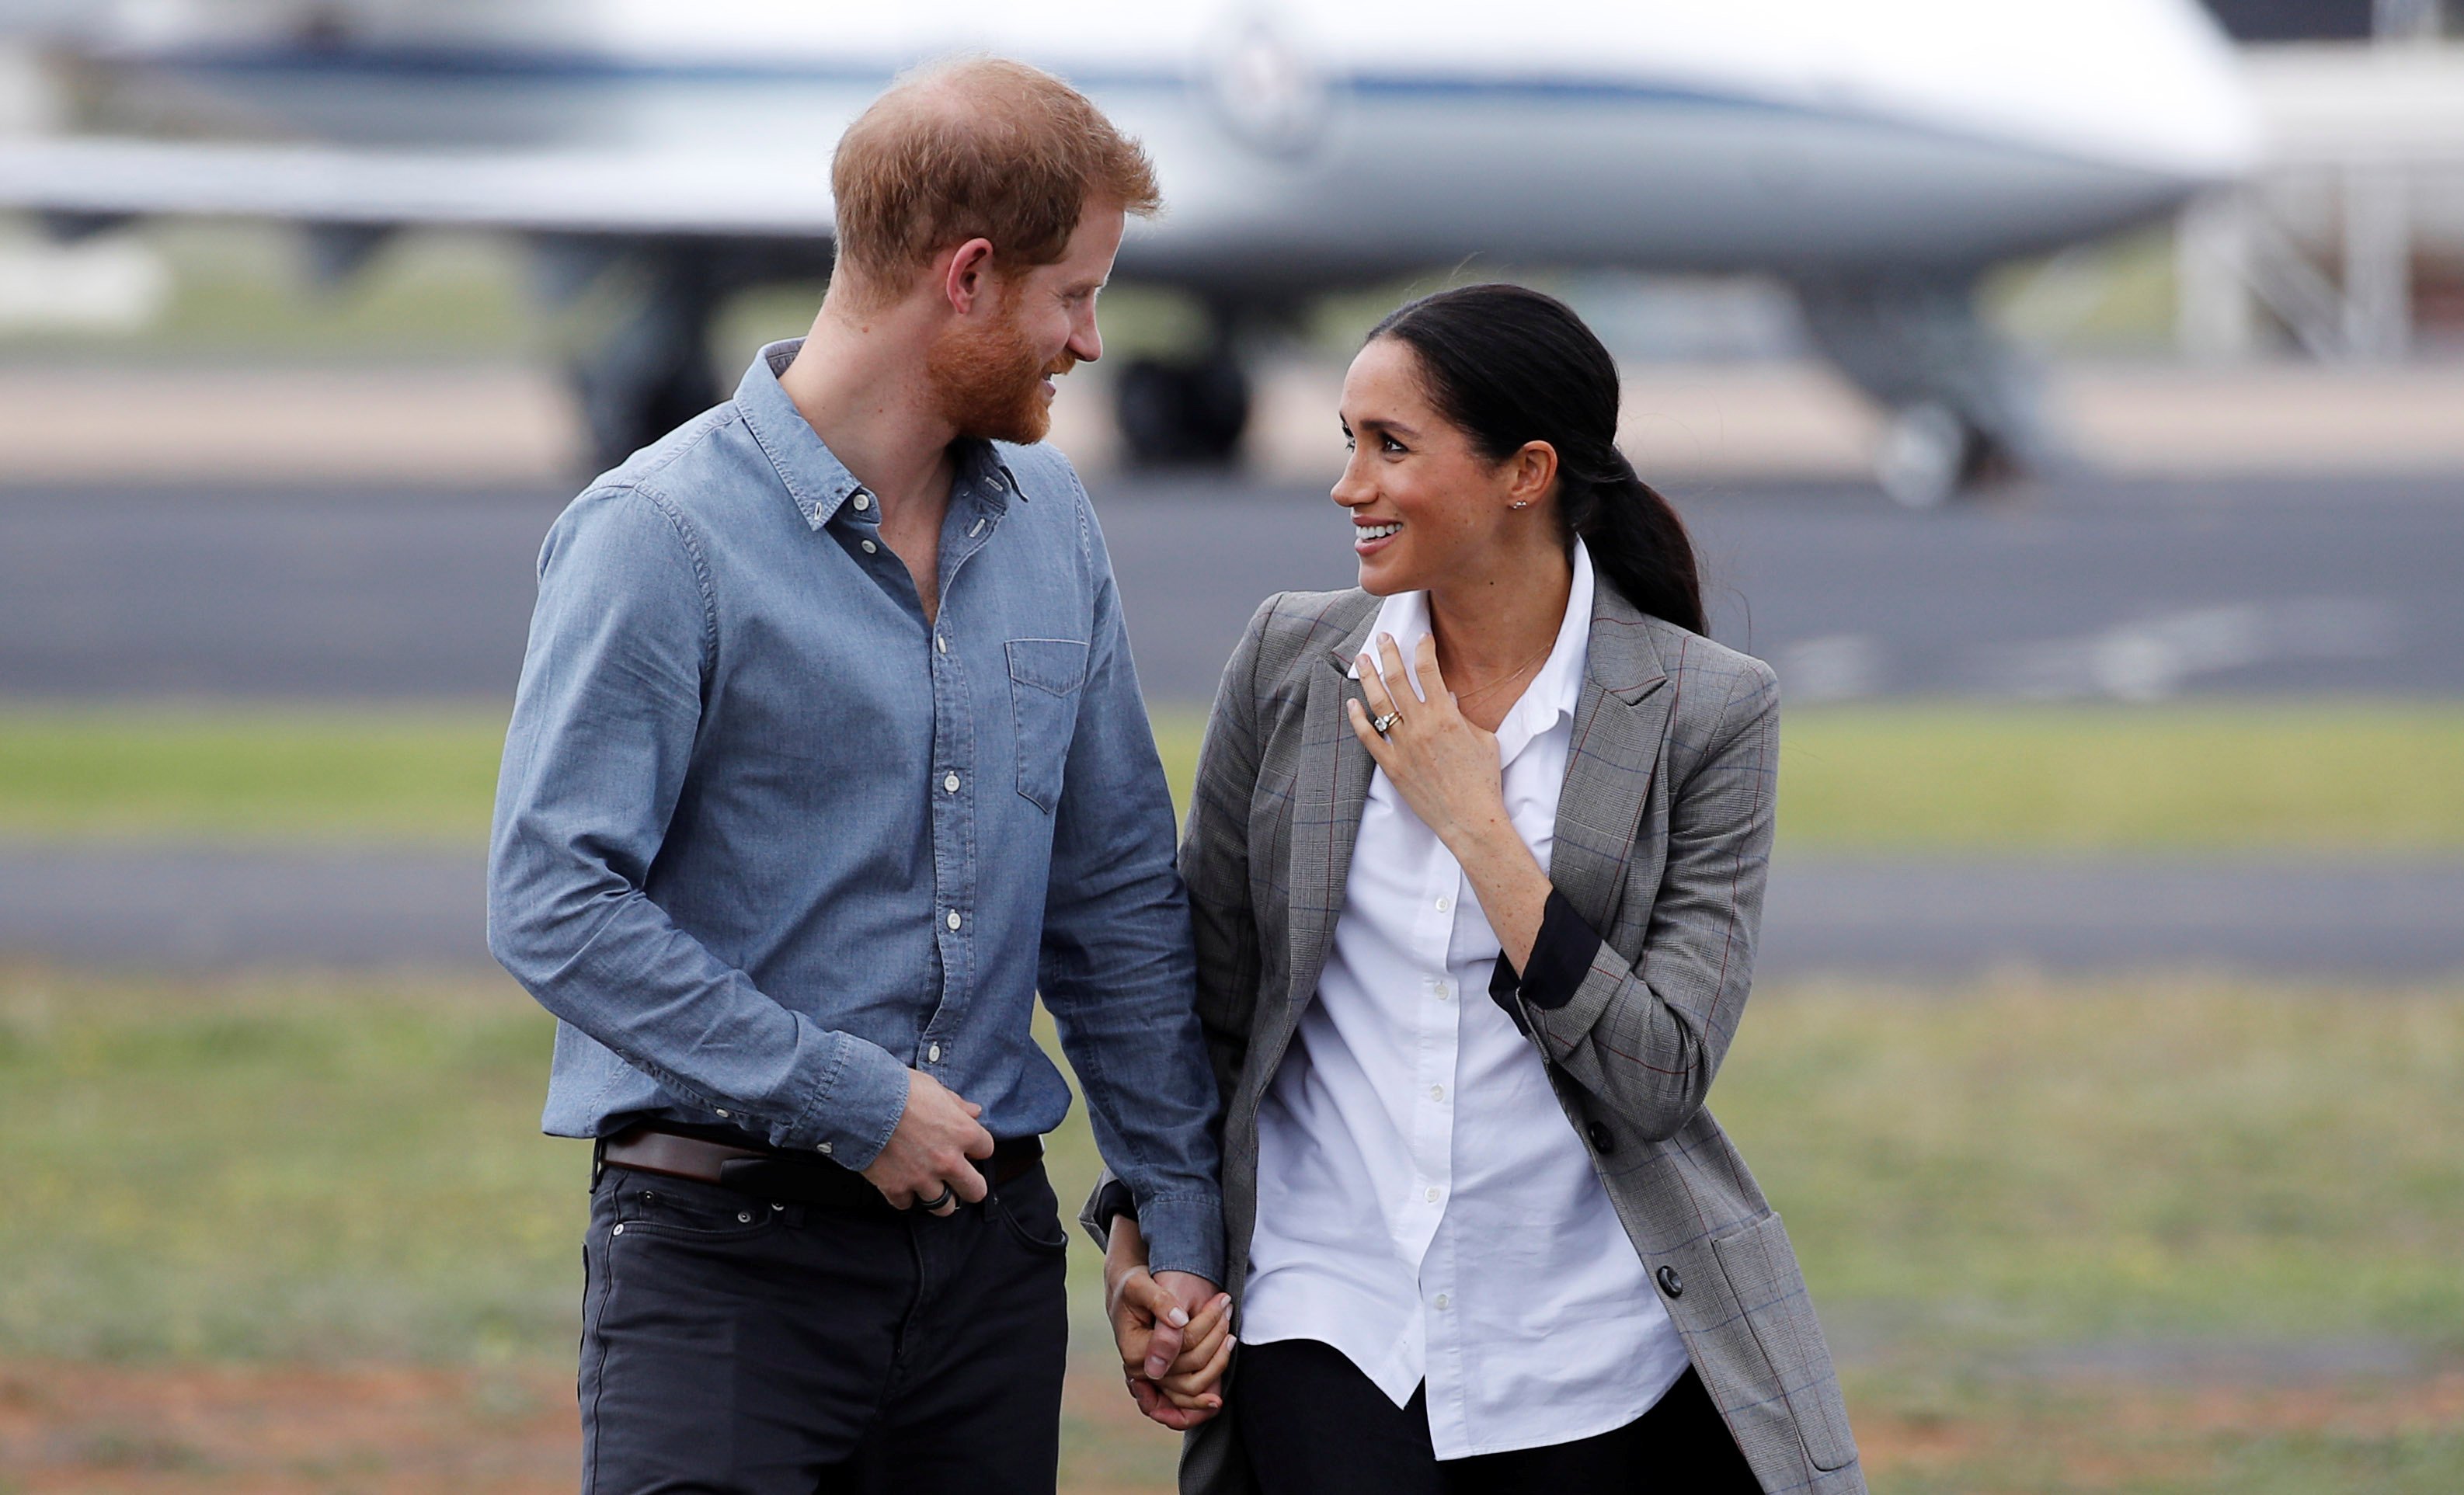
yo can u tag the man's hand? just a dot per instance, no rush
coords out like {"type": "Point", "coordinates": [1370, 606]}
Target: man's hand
{"type": "Point", "coordinates": [936, 1138]}
{"type": "Point", "coordinates": [1172, 1329]}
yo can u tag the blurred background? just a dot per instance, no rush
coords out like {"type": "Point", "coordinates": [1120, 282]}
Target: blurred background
{"type": "Point", "coordinates": [2069, 400]}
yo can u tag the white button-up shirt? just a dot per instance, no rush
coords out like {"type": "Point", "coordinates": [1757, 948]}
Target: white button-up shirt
{"type": "Point", "coordinates": [1423, 1205]}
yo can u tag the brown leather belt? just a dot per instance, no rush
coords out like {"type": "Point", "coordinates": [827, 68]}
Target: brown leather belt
{"type": "Point", "coordinates": [773, 1173]}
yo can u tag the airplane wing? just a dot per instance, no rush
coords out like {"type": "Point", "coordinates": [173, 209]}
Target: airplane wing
{"type": "Point", "coordinates": [617, 192]}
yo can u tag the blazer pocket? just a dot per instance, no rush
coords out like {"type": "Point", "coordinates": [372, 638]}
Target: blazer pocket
{"type": "Point", "coordinates": [1044, 679]}
{"type": "Point", "coordinates": [1769, 1290]}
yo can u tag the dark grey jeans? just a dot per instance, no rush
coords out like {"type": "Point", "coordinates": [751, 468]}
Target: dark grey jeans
{"type": "Point", "coordinates": [733, 1346]}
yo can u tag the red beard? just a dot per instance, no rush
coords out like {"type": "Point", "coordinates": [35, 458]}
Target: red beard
{"type": "Point", "coordinates": [990, 381]}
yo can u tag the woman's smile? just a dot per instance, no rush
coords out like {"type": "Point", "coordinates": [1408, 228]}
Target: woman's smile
{"type": "Point", "coordinates": [1368, 537]}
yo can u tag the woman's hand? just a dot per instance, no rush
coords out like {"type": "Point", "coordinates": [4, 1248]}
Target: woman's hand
{"type": "Point", "coordinates": [1444, 766]}
{"type": "Point", "coordinates": [1447, 769]}
{"type": "Point", "coordinates": [1172, 1358]}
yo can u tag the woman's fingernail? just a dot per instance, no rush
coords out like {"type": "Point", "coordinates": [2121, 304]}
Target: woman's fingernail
{"type": "Point", "coordinates": [1178, 1318]}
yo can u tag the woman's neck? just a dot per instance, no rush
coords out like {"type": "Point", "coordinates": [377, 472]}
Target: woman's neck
{"type": "Point", "coordinates": [1493, 624]}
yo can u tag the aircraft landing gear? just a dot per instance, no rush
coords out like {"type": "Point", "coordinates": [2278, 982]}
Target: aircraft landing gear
{"type": "Point", "coordinates": [1962, 411]}
{"type": "Point", "coordinates": [1930, 455]}
{"type": "Point", "coordinates": [653, 373]}
{"type": "Point", "coordinates": [1183, 414]}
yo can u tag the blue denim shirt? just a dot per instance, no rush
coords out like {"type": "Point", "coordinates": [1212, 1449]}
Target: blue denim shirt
{"type": "Point", "coordinates": [765, 840]}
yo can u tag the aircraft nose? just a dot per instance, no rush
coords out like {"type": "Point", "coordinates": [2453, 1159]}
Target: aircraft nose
{"type": "Point", "coordinates": [2151, 88]}
{"type": "Point", "coordinates": [2162, 92]}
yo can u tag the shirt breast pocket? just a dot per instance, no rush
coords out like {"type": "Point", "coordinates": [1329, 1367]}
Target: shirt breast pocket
{"type": "Point", "coordinates": [1044, 679]}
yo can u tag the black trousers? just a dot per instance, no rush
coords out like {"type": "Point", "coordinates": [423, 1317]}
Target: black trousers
{"type": "Point", "coordinates": [1313, 1424]}
{"type": "Point", "coordinates": [731, 1346]}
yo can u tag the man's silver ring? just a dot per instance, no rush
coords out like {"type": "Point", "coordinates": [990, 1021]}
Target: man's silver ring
{"type": "Point", "coordinates": [946, 1195]}
{"type": "Point", "coordinates": [1383, 724]}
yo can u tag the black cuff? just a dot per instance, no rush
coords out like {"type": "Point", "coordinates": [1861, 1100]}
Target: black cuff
{"type": "Point", "coordinates": [1561, 956]}
{"type": "Point", "coordinates": [1111, 1200]}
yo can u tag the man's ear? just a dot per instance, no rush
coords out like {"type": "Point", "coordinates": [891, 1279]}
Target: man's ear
{"type": "Point", "coordinates": [968, 275]}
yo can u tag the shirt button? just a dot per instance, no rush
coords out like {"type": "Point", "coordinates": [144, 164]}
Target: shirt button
{"type": "Point", "coordinates": [1444, 905]}
{"type": "Point", "coordinates": [825, 1149]}
{"type": "Point", "coordinates": [863, 501]}
{"type": "Point", "coordinates": [868, 547]}
{"type": "Point", "coordinates": [722, 1110]}
{"type": "Point", "coordinates": [1444, 1299]}
{"type": "Point", "coordinates": [941, 642]}
{"type": "Point", "coordinates": [1432, 1196]}
{"type": "Point", "coordinates": [933, 1055]}
{"type": "Point", "coordinates": [951, 784]}
{"type": "Point", "coordinates": [954, 918]}
{"type": "Point", "coordinates": [1437, 1092]}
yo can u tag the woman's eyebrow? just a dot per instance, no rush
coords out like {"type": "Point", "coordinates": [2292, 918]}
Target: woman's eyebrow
{"type": "Point", "coordinates": [1381, 422]}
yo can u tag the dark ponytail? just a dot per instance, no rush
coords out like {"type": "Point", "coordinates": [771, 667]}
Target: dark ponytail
{"type": "Point", "coordinates": [1511, 365]}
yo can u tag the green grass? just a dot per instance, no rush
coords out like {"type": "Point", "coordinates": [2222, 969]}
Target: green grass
{"type": "Point", "coordinates": [279, 1172]}
{"type": "Point", "coordinates": [1984, 779]}
{"type": "Point", "coordinates": [2375, 775]}
{"type": "Point", "coordinates": [388, 773]}
{"type": "Point", "coordinates": [284, 1169]}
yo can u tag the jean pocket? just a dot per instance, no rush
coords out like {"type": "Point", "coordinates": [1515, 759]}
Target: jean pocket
{"type": "Point", "coordinates": [1045, 677]}
{"type": "Point", "coordinates": [684, 1208]}
{"type": "Point", "coordinates": [1033, 1215]}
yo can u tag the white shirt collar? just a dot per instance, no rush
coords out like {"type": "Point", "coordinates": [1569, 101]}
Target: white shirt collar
{"type": "Point", "coordinates": [1553, 693]}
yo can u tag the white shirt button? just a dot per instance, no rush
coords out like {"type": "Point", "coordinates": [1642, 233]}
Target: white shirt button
{"type": "Point", "coordinates": [1437, 1092]}
{"type": "Point", "coordinates": [825, 1147]}
{"type": "Point", "coordinates": [1444, 1299]}
{"type": "Point", "coordinates": [1445, 905]}
{"type": "Point", "coordinates": [1431, 1196]}
{"type": "Point", "coordinates": [863, 501]}
{"type": "Point", "coordinates": [951, 784]}
{"type": "Point", "coordinates": [941, 642]}
{"type": "Point", "coordinates": [954, 918]}
{"type": "Point", "coordinates": [933, 1055]}
{"type": "Point", "coordinates": [868, 547]}
{"type": "Point", "coordinates": [722, 1110]}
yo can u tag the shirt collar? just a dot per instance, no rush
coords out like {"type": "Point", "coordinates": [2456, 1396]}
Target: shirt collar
{"type": "Point", "coordinates": [1555, 692]}
{"type": "Point", "coordinates": [814, 479]}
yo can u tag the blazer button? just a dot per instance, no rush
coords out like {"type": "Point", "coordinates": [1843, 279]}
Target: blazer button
{"type": "Point", "coordinates": [1670, 1283]}
{"type": "Point", "coordinates": [1603, 1140]}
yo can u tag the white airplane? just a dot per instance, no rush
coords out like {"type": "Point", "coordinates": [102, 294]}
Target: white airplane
{"type": "Point", "coordinates": [1876, 157]}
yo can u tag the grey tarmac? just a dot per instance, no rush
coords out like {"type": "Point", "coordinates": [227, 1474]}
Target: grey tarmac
{"type": "Point", "coordinates": [2072, 587]}
{"type": "Point", "coordinates": [210, 907]}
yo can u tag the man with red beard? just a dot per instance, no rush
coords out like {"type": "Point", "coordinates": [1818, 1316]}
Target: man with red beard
{"type": "Point", "coordinates": [827, 758]}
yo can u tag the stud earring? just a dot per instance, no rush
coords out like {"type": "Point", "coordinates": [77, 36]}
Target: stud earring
{"type": "Point", "coordinates": [1520, 503]}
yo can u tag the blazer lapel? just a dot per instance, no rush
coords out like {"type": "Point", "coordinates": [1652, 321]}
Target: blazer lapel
{"type": "Point", "coordinates": [1328, 799]}
{"type": "Point", "coordinates": [1620, 722]}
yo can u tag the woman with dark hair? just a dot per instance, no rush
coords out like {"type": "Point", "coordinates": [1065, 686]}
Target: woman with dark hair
{"type": "Point", "coordinates": [1476, 860]}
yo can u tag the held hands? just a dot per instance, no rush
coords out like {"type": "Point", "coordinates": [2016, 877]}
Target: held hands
{"type": "Point", "coordinates": [1172, 1329]}
{"type": "Point", "coordinates": [1443, 764]}
{"type": "Point", "coordinates": [936, 1140]}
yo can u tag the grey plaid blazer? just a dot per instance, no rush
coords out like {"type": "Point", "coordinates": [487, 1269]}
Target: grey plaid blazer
{"type": "Point", "coordinates": [1663, 839]}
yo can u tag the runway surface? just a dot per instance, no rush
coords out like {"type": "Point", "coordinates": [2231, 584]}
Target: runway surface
{"type": "Point", "coordinates": [195, 908]}
{"type": "Point", "coordinates": [2075, 587]}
